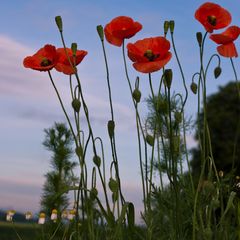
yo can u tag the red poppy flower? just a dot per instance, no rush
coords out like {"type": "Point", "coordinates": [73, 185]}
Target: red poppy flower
{"type": "Point", "coordinates": [63, 64]}
{"type": "Point", "coordinates": [212, 16]}
{"type": "Point", "coordinates": [43, 60]}
{"type": "Point", "coordinates": [226, 39]}
{"type": "Point", "coordinates": [120, 28]}
{"type": "Point", "coordinates": [150, 54]}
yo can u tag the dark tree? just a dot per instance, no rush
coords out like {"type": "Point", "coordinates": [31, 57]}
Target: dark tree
{"type": "Point", "coordinates": [223, 117]}
{"type": "Point", "coordinates": [58, 140]}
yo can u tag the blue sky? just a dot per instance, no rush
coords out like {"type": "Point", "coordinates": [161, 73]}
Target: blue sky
{"type": "Point", "coordinates": [28, 103]}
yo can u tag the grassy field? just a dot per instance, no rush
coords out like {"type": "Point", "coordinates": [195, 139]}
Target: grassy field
{"type": "Point", "coordinates": [26, 231]}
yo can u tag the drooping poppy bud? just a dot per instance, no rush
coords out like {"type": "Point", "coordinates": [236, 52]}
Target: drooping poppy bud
{"type": "Point", "coordinates": [178, 117]}
{"type": "Point", "coordinates": [217, 72]}
{"type": "Point", "coordinates": [100, 32]}
{"type": "Point", "coordinates": [150, 140]}
{"type": "Point", "coordinates": [93, 193]}
{"type": "Point", "coordinates": [136, 95]}
{"type": "Point", "coordinates": [113, 185]}
{"type": "Point", "coordinates": [76, 104]}
{"type": "Point", "coordinates": [194, 87]}
{"type": "Point", "coordinates": [58, 20]}
{"type": "Point", "coordinates": [97, 160]}
{"type": "Point", "coordinates": [111, 127]}
{"type": "Point", "coordinates": [168, 78]}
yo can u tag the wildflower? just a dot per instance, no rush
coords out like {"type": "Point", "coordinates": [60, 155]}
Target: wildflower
{"type": "Point", "coordinates": [54, 215]}
{"type": "Point", "coordinates": [226, 40]}
{"type": "Point", "coordinates": [150, 54]}
{"type": "Point", "coordinates": [9, 216]}
{"type": "Point", "coordinates": [42, 218]}
{"type": "Point", "coordinates": [71, 214]}
{"type": "Point", "coordinates": [43, 60]}
{"type": "Point", "coordinates": [63, 64]}
{"type": "Point", "coordinates": [212, 16]}
{"type": "Point", "coordinates": [28, 215]}
{"type": "Point", "coordinates": [120, 28]}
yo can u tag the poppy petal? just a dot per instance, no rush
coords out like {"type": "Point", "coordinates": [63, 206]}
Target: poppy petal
{"type": "Point", "coordinates": [227, 50]}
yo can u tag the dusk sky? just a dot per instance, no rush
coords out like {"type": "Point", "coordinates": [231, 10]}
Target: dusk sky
{"type": "Point", "coordinates": [28, 103]}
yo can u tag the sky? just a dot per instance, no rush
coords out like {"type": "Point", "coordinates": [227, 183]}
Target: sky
{"type": "Point", "coordinates": [28, 103]}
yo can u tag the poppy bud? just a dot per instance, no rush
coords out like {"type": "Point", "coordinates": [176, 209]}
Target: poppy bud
{"type": "Point", "coordinates": [171, 25]}
{"type": "Point", "coordinates": [79, 151]}
{"type": "Point", "coordinates": [199, 38]}
{"type": "Point", "coordinates": [100, 32]}
{"type": "Point", "coordinates": [217, 72]}
{"type": "Point", "coordinates": [111, 127]}
{"type": "Point", "coordinates": [136, 95]}
{"type": "Point", "coordinates": [168, 77]}
{"type": "Point", "coordinates": [178, 117]}
{"type": "Point", "coordinates": [113, 185]}
{"type": "Point", "coordinates": [93, 193]}
{"type": "Point", "coordinates": [150, 140]}
{"type": "Point", "coordinates": [194, 87]}
{"type": "Point", "coordinates": [74, 48]}
{"type": "Point", "coordinates": [166, 27]}
{"type": "Point", "coordinates": [176, 144]}
{"type": "Point", "coordinates": [58, 20]}
{"type": "Point", "coordinates": [97, 160]}
{"type": "Point", "coordinates": [76, 104]}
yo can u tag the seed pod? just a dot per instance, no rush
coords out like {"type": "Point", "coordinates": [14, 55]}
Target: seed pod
{"type": "Point", "coordinates": [136, 95]}
{"type": "Point", "coordinates": [76, 104]}
{"type": "Point", "coordinates": [217, 72]}
{"type": "Point", "coordinates": [194, 87]}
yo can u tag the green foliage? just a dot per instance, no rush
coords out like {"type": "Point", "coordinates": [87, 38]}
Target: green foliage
{"type": "Point", "coordinates": [58, 140]}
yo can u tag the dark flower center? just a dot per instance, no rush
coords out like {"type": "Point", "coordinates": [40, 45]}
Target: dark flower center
{"type": "Point", "coordinates": [150, 55]}
{"type": "Point", "coordinates": [45, 62]}
{"type": "Point", "coordinates": [212, 20]}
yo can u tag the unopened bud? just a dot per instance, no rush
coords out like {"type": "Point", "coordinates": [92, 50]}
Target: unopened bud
{"type": "Point", "coordinates": [194, 87]}
{"type": "Point", "coordinates": [199, 38]}
{"type": "Point", "coordinates": [136, 95]}
{"type": "Point", "coordinates": [217, 72]}
{"type": "Point", "coordinates": [100, 32]}
{"type": "Point", "coordinates": [168, 78]}
{"type": "Point", "coordinates": [111, 127]}
{"type": "Point", "coordinates": [74, 48]}
{"type": "Point", "coordinates": [166, 27]}
{"type": "Point", "coordinates": [171, 25]}
{"type": "Point", "coordinates": [93, 193]}
{"type": "Point", "coordinates": [58, 20]}
{"type": "Point", "coordinates": [76, 104]}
